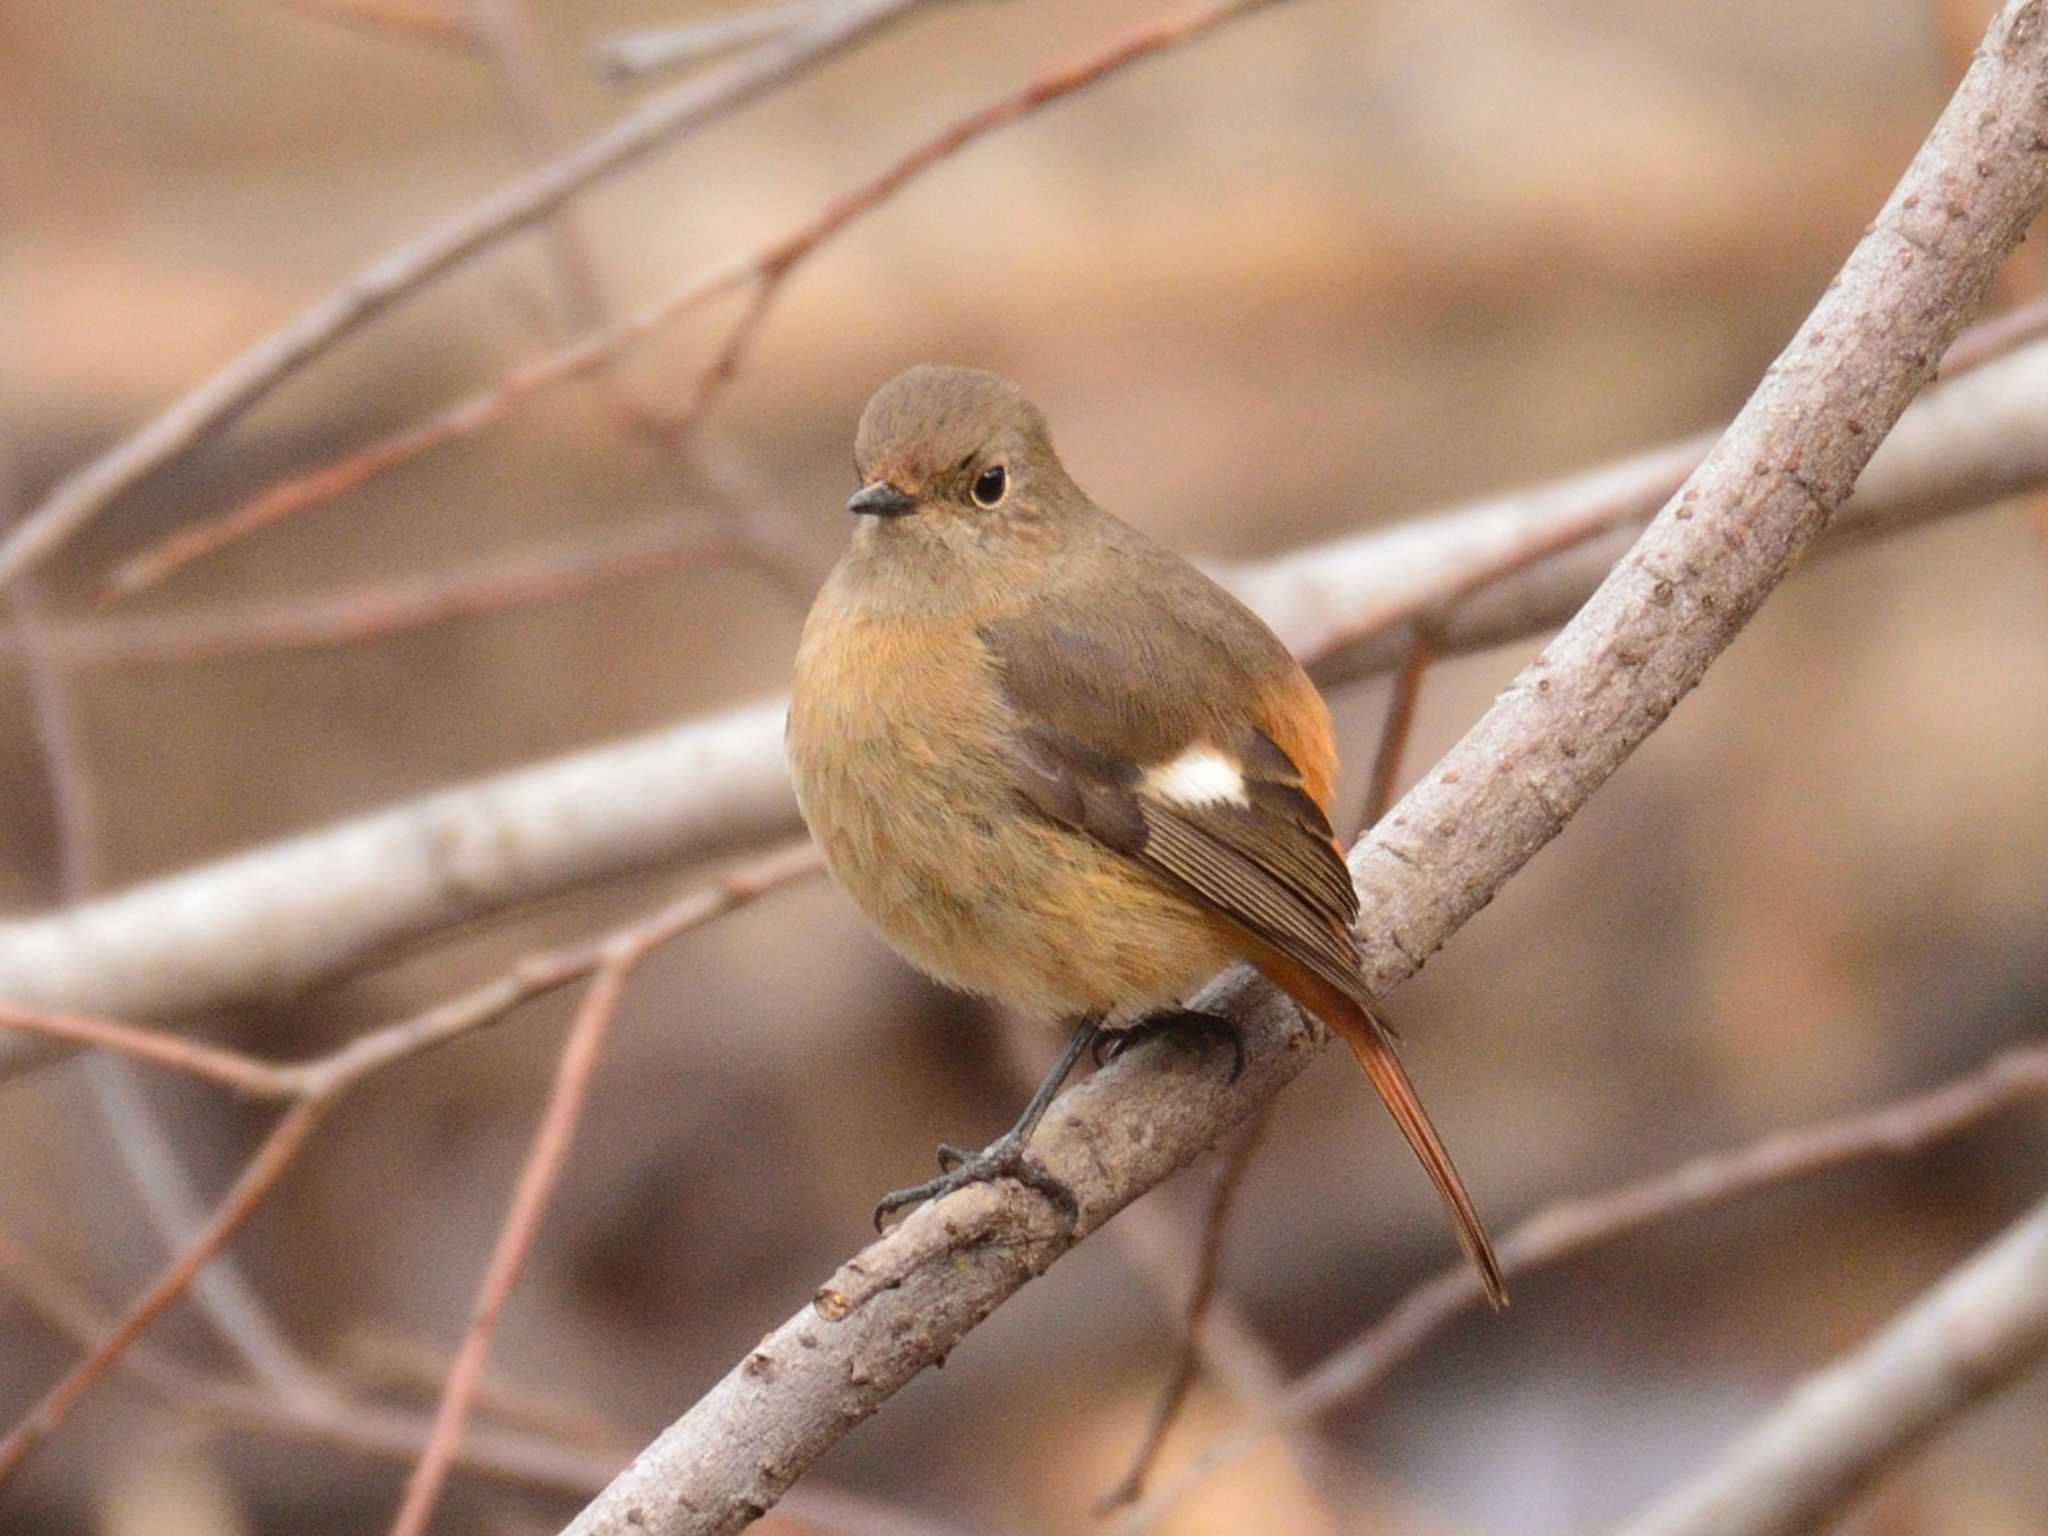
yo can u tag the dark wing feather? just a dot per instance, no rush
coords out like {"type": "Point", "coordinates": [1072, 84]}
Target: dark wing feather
{"type": "Point", "coordinates": [1269, 865]}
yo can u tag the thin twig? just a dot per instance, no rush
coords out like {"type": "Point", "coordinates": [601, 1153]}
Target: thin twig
{"type": "Point", "coordinates": [637, 55]}
{"type": "Point", "coordinates": [1570, 1227]}
{"type": "Point", "coordinates": [1398, 726]}
{"type": "Point", "coordinates": [1787, 1475]}
{"type": "Point", "coordinates": [392, 606]}
{"type": "Point", "coordinates": [530, 1197]}
{"type": "Point", "coordinates": [403, 271]}
{"type": "Point", "coordinates": [269, 1165]}
{"type": "Point", "coordinates": [147, 1156]}
{"type": "Point", "coordinates": [1187, 1361]}
{"type": "Point", "coordinates": [421, 20]}
{"type": "Point", "coordinates": [761, 271]}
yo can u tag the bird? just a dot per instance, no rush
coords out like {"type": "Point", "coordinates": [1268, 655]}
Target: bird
{"type": "Point", "coordinates": [1059, 767]}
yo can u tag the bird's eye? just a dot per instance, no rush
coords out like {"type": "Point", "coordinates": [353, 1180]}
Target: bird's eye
{"type": "Point", "coordinates": [990, 484]}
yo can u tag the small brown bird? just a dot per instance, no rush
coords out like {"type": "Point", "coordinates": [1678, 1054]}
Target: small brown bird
{"type": "Point", "coordinates": [1058, 766]}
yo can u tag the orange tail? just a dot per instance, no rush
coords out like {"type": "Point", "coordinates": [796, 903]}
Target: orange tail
{"type": "Point", "coordinates": [1362, 1030]}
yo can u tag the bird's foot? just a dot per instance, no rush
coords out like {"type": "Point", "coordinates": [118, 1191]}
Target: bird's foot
{"type": "Point", "coordinates": [1192, 1024]}
{"type": "Point", "coordinates": [1003, 1158]}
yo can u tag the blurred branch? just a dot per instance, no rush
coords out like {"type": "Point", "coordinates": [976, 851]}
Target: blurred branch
{"type": "Point", "coordinates": [285, 914]}
{"type": "Point", "coordinates": [760, 272]}
{"type": "Point", "coordinates": [147, 1156]}
{"type": "Point", "coordinates": [503, 30]}
{"type": "Point", "coordinates": [1964, 1340]}
{"type": "Point", "coordinates": [310, 1088]}
{"type": "Point", "coordinates": [636, 55]}
{"type": "Point", "coordinates": [400, 272]}
{"type": "Point", "coordinates": [380, 609]}
{"type": "Point", "coordinates": [421, 19]}
{"type": "Point", "coordinates": [1188, 1353]}
{"type": "Point", "coordinates": [270, 1163]}
{"type": "Point", "coordinates": [537, 1178]}
{"type": "Point", "coordinates": [1570, 1227]}
{"type": "Point", "coordinates": [1643, 640]}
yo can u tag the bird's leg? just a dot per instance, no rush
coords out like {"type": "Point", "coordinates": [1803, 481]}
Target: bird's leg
{"type": "Point", "coordinates": [1005, 1157]}
{"type": "Point", "coordinates": [1187, 1023]}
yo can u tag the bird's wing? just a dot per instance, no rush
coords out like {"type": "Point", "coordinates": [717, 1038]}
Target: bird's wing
{"type": "Point", "coordinates": [1167, 747]}
{"type": "Point", "coordinates": [1189, 741]}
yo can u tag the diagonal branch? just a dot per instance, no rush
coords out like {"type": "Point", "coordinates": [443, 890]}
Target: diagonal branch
{"type": "Point", "coordinates": [1570, 1227]}
{"type": "Point", "coordinates": [1646, 637]}
{"type": "Point", "coordinates": [1969, 1337]}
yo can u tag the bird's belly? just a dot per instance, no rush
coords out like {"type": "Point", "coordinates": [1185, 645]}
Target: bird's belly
{"type": "Point", "coordinates": [918, 822]}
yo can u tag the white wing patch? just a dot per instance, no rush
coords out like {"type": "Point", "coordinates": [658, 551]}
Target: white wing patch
{"type": "Point", "coordinates": [1199, 776]}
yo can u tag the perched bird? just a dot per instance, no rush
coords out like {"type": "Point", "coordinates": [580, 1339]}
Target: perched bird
{"type": "Point", "coordinates": [1059, 767]}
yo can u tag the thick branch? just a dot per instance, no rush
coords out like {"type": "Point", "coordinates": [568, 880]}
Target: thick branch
{"type": "Point", "coordinates": [292, 911]}
{"type": "Point", "coordinates": [1643, 640]}
{"type": "Point", "coordinates": [1970, 1336]}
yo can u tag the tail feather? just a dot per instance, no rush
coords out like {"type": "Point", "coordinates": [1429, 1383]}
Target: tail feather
{"type": "Point", "coordinates": [1362, 1029]}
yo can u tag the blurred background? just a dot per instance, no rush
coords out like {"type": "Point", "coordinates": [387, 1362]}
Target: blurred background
{"type": "Point", "coordinates": [1335, 266]}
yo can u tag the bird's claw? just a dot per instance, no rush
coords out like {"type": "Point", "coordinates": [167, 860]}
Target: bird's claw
{"type": "Point", "coordinates": [1004, 1158]}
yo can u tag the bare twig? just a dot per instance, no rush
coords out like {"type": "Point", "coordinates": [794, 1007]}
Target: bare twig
{"type": "Point", "coordinates": [636, 55]}
{"type": "Point", "coordinates": [156, 1170]}
{"type": "Point", "coordinates": [1563, 1230]}
{"type": "Point", "coordinates": [1643, 640]}
{"type": "Point", "coordinates": [1187, 1361]}
{"type": "Point", "coordinates": [383, 608]}
{"type": "Point", "coordinates": [401, 272]}
{"type": "Point", "coordinates": [1398, 726]}
{"type": "Point", "coordinates": [1969, 1337]}
{"type": "Point", "coordinates": [422, 20]}
{"type": "Point", "coordinates": [760, 272]}
{"type": "Point", "coordinates": [269, 1164]}
{"type": "Point", "coordinates": [522, 1220]}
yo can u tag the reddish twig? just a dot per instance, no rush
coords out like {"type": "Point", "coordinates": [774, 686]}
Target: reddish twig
{"type": "Point", "coordinates": [1187, 1361]}
{"type": "Point", "coordinates": [269, 1164]}
{"type": "Point", "coordinates": [762, 271]}
{"type": "Point", "coordinates": [1573, 1226]}
{"type": "Point", "coordinates": [1397, 728]}
{"type": "Point", "coordinates": [421, 20]}
{"type": "Point", "coordinates": [522, 1220]}
{"type": "Point", "coordinates": [381, 609]}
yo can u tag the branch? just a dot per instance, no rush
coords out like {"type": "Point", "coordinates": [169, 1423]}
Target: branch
{"type": "Point", "coordinates": [1570, 1227]}
{"type": "Point", "coordinates": [1645, 638]}
{"type": "Point", "coordinates": [1964, 1340]}
{"type": "Point", "coordinates": [400, 272]}
{"type": "Point", "coordinates": [515, 1239]}
{"type": "Point", "coordinates": [636, 55]}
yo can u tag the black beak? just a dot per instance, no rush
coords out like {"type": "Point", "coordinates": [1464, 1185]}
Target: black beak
{"type": "Point", "coordinates": [881, 500]}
